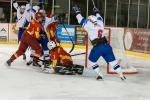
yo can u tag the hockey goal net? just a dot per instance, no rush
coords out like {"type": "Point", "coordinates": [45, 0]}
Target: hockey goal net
{"type": "Point", "coordinates": [115, 38]}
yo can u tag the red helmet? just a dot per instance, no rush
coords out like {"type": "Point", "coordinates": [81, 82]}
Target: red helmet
{"type": "Point", "coordinates": [39, 15]}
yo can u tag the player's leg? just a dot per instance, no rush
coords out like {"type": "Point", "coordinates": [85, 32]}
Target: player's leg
{"type": "Point", "coordinates": [46, 56]}
{"type": "Point", "coordinates": [95, 54]}
{"type": "Point", "coordinates": [31, 56]}
{"type": "Point", "coordinates": [78, 69]}
{"type": "Point", "coordinates": [111, 60]}
{"type": "Point", "coordinates": [20, 32]}
{"type": "Point", "coordinates": [21, 50]}
{"type": "Point", "coordinates": [33, 43]}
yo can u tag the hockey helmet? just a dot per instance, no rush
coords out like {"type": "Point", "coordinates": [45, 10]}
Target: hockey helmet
{"type": "Point", "coordinates": [39, 15]}
{"type": "Point", "coordinates": [23, 7]}
{"type": "Point", "coordinates": [51, 45]}
{"type": "Point", "coordinates": [36, 8]}
{"type": "Point", "coordinates": [92, 18]}
{"type": "Point", "coordinates": [43, 12]}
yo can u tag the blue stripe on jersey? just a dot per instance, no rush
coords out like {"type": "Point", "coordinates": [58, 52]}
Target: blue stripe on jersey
{"type": "Point", "coordinates": [33, 10]}
{"type": "Point", "coordinates": [26, 24]}
{"type": "Point", "coordinates": [100, 18]}
{"type": "Point", "coordinates": [83, 21]}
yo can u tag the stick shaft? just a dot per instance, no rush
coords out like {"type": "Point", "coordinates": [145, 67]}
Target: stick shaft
{"type": "Point", "coordinates": [78, 54]}
{"type": "Point", "coordinates": [93, 3]}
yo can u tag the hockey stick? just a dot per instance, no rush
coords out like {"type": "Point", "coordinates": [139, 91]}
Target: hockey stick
{"type": "Point", "coordinates": [78, 54]}
{"type": "Point", "coordinates": [69, 38]}
{"type": "Point", "coordinates": [93, 3]}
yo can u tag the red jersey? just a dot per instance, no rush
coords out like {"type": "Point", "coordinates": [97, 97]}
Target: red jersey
{"type": "Point", "coordinates": [51, 31]}
{"type": "Point", "coordinates": [60, 56]}
{"type": "Point", "coordinates": [34, 29]}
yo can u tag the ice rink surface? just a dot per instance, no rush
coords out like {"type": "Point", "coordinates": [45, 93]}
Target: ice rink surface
{"type": "Point", "coordinates": [21, 82]}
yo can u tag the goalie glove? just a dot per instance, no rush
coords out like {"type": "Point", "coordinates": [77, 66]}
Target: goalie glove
{"type": "Point", "coordinates": [95, 10]}
{"type": "Point", "coordinates": [76, 9]}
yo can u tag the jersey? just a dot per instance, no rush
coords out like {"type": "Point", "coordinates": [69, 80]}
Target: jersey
{"type": "Point", "coordinates": [94, 30]}
{"type": "Point", "coordinates": [34, 10]}
{"type": "Point", "coordinates": [34, 29]}
{"type": "Point", "coordinates": [22, 19]}
{"type": "Point", "coordinates": [60, 56]}
{"type": "Point", "coordinates": [51, 31]}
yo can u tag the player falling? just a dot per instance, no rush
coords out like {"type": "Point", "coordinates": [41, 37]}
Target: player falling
{"type": "Point", "coordinates": [94, 27]}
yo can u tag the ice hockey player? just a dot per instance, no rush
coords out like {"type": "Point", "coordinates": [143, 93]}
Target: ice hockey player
{"type": "Point", "coordinates": [94, 27]}
{"type": "Point", "coordinates": [51, 30]}
{"type": "Point", "coordinates": [42, 41]}
{"type": "Point", "coordinates": [30, 38]}
{"type": "Point", "coordinates": [61, 60]}
{"type": "Point", "coordinates": [23, 18]}
{"type": "Point", "coordinates": [34, 10]}
{"type": "Point", "coordinates": [45, 23]}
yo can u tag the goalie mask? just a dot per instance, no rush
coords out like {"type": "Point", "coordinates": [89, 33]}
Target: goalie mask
{"type": "Point", "coordinates": [92, 19]}
{"type": "Point", "coordinates": [51, 45]}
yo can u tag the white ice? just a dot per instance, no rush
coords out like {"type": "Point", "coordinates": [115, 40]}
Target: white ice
{"type": "Point", "coordinates": [21, 82]}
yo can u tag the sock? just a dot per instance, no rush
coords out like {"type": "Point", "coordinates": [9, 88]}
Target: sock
{"type": "Point", "coordinates": [97, 69]}
{"type": "Point", "coordinates": [13, 57]}
{"type": "Point", "coordinates": [116, 67]}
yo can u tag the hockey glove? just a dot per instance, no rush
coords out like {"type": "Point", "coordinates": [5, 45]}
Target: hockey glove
{"type": "Point", "coordinates": [76, 9]}
{"type": "Point", "coordinates": [14, 1]}
{"type": "Point", "coordinates": [95, 10]}
{"type": "Point", "coordinates": [27, 1]}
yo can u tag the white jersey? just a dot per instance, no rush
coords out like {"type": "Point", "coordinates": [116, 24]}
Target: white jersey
{"type": "Point", "coordinates": [22, 18]}
{"type": "Point", "coordinates": [48, 21]}
{"type": "Point", "coordinates": [90, 28]}
{"type": "Point", "coordinates": [34, 10]}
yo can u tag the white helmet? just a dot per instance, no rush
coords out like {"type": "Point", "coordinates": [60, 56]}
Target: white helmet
{"type": "Point", "coordinates": [36, 8]}
{"type": "Point", "coordinates": [92, 18]}
{"type": "Point", "coordinates": [42, 11]}
{"type": "Point", "coordinates": [51, 45]}
{"type": "Point", "coordinates": [23, 7]}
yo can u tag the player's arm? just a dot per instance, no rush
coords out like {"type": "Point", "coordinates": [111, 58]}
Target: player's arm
{"type": "Point", "coordinates": [28, 6]}
{"type": "Point", "coordinates": [15, 5]}
{"type": "Point", "coordinates": [80, 18]}
{"type": "Point", "coordinates": [97, 13]}
{"type": "Point", "coordinates": [37, 31]}
{"type": "Point", "coordinates": [54, 58]}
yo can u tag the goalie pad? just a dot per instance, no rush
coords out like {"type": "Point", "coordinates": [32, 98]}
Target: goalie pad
{"type": "Point", "coordinates": [69, 69]}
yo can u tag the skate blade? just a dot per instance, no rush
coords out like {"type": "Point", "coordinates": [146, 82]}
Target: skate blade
{"type": "Point", "coordinates": [99, 78]}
